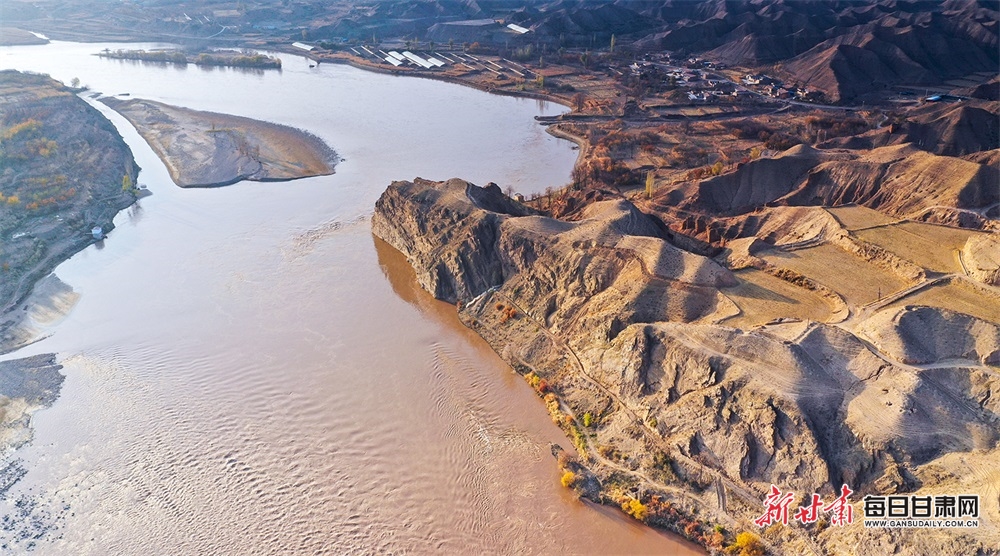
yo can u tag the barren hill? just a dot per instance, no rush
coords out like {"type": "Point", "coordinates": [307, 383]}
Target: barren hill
{"type": "Point", "coordinates": [847, 49]}
{"type": "Point", "coordinates": [628, 338]}
{"type": "Point", "coordinates": [844, 49]}
{"type": "Point", "coordinates": [899, 180]}
{"type": "Point", "coordinates": [953, 129]}
{"type": "Point", "coordinates": [920, 48]}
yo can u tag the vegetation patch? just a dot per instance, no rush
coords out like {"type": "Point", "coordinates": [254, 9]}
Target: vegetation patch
{"type": "Point", "coordinates": [226, 58]}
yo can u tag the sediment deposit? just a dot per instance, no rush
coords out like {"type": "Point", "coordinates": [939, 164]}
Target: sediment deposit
{"type": "Point", "coordinates": [205, 149]}
{"type": "Point", "coordinates": [14, 36]}
{"type": "Point", "coordinates": [26, 385]}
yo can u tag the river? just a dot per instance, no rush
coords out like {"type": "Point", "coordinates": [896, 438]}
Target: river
{"type": "Point", "coordinates": [249, 371]}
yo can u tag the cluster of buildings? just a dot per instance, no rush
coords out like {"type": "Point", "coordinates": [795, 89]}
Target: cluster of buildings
{"type": "Point", "coordinates": [706, 64]}
{"type": "Point", "coordinates": [720, 90]}
{"type": "Point", "coordinates": [703, 86]}
{"type": "Point", "coordinates": [772, 87]}
{"type": "Point", "coordinates": [676, 76]}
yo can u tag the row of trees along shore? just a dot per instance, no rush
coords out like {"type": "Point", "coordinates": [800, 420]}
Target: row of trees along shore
{"type": "Point", "coordinates": [243, 59]}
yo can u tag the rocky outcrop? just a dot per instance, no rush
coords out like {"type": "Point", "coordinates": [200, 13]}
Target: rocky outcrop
{"type": "Point", "coordinates": [451, 243]}
{"type": "Point", "coordinates": [463, 240]}
{"type": "Point", "coordinates": [981, 256]}
{"type": "Point", "coordinates": [615, 324]}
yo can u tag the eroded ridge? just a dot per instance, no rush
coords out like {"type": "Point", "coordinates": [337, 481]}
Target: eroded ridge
{"type": "Point", "coordinates": [685, 421]}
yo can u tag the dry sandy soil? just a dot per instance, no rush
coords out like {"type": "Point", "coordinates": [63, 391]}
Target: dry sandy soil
{"type": "Point", "coordinates": [206, 149]}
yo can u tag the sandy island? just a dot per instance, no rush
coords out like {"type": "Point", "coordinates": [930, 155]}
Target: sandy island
{"type": "Point", "coordinates": [206, 149]}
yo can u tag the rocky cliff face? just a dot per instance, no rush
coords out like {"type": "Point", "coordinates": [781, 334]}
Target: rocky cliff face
{"type": "Point", "coordinates": [618, 328]}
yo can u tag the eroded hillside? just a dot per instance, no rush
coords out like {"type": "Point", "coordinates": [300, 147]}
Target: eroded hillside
{"type": "Point", "coordinates": [825, 353]}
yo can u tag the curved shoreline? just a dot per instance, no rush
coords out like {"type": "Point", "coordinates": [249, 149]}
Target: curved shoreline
{"type": "Point", "coordinates": [53, 200]}
{"type": "Point", "coordinates": [208, 149]}
{"type": "Point", "coordinates": [348, 60]}
{"type": "Point", "coordinates": [581, 142]}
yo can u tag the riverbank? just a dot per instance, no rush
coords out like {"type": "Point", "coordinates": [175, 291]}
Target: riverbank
{"type": "Point", "coordinates": [582, 143]}
{"type": "Point", "coordinates": [26, 385]}
{"type": "Point", "coordinates": [207, 149]}
{"type": "Point", "coordinates": [684, 422]}
{"type": "Point", "coordinates": [460, 79]}
{"type": "Point", "coordinates": [66, 165]}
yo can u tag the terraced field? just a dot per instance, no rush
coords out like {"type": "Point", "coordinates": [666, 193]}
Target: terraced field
{"type": "Point", "coordinates": [858, 281]}
{"type": "Point", "coordinates": [932, 247]}
{"type": "Point", "coordinates": [763, 298]}
{"type": "Point", "coordinates": [857, 217]}
{"type": "Point", "coordinates": [956, 295]}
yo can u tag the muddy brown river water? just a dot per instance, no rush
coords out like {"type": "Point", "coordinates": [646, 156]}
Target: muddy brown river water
{"type": "Point", "coordinates": [249, 371]}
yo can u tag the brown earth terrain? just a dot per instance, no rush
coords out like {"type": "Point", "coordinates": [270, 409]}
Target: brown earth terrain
{"type": "Point", "coordinates": [864, 380]}
{"type": "Point", "coordinates": [63, 170]}
{"type": "Point", "coordinates": [12, 36]}
{"type": "Point", "coordinates": [849, 51]}
{"type": "Point", "coordinates": [791, 279]}
{"type": "Point", "coordinates": [206, 149]}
